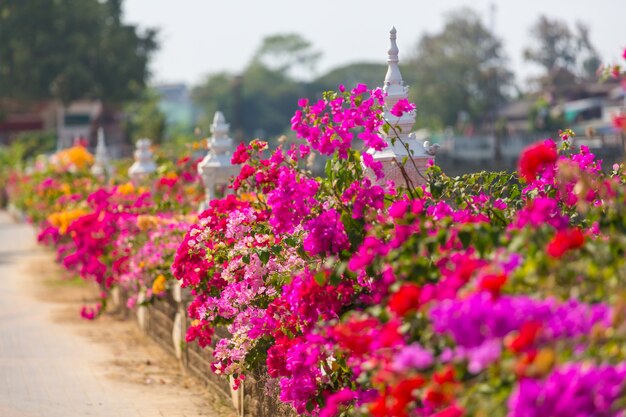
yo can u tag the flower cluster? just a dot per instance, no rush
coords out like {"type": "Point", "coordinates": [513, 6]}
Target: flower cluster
{"type": "Point", "coordinates": [491, 293]}
{"type": "Point", "coordinates": [408, 306]}
{"type": "Point", "coordinates": [116, 233]}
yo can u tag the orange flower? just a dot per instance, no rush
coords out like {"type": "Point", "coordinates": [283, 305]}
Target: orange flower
{"type": "Point", "coordinates": [158, 286]}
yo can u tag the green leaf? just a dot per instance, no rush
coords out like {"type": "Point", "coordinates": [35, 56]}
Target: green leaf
{"type": "Point", "coordinates": [320, 278]}
{"type": "Point", "coordinates": [264, 256]}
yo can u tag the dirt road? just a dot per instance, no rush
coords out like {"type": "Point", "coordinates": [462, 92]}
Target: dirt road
{"type": "Point", "coordinates": [54, 364]}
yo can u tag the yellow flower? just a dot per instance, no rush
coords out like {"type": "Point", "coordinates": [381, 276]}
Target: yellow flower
{"type": "Point", "coordinates": [248, 197]}
{"type": "Point", "coordinates": [125, 189]}
{"type": "Point", "coordinates": [62, 219]}
{"type": "Point", "coordinates": [543, 363]}
{"type": "Point", "coordinates": [145, 222]}
{"type": "Point", "coordinates": [158, 286]}
{"type": "Point", "coordinates": [76, 156]}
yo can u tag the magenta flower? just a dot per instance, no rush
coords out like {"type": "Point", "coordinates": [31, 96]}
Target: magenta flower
{"type": "Point", "coordinates": [326, 234]}
{"type": "Point", "coordinates": [401, 107]}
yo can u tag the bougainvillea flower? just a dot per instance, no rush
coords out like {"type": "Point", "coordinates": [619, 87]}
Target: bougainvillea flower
{"type": "Point", "coordinates": [565, 240]}
{"type": "Point", "coordinates": [535, 157]}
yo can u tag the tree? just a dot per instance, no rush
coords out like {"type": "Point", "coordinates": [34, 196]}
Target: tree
{"type": "Point", "coordinates": [216, 93]}
{"type": "Point", "coordinates": [286, 53]}
{"type": "Point", "coordinates": [563, 53]}
{"type": "Point", "coordinates": [71, 49]}
{"type": "Point", "coordinates": [370, 74]}
{"type": "Point", "coordinates": [460, 70]}
{"type": "Point", "coordinates": [261, 100]}
{"type": "Point", "coordinates": [144, 119]}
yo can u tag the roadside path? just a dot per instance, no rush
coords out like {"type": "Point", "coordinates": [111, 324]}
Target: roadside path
{"type": "Point", "coordinates": [52, 364]}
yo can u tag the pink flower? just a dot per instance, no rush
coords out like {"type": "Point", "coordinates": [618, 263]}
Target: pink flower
{"type": "Point", "coordinates": [241, 154]}
{"type": "Point", "coordinates": [401, 107]}
{"type": "Point", "coordinates": [90, 313]}
{"type": "Point", "coordinates": [326, 234]}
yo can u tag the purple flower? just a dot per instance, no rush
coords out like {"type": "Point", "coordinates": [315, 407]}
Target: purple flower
{"type": "Point", "coordinates": [413, 357]}
{"type": "Point", "coordinates": [291, 200]}
{"type": "Point", "coordinates": [327, 234]}
{"type": "Point", "coordinates": [472, 321]}
{"type": "Point", "coordinates": [575, 389]}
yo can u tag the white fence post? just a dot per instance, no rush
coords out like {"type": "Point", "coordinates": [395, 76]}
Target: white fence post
{"type": "Point", "coordinates": [144, 164]}
{"type": "Point", "coordinates": [101, 166]}
{"type": "Point", "coordinates": [404, 146]}
{"type": "Point", "coordinates": [216, 167]}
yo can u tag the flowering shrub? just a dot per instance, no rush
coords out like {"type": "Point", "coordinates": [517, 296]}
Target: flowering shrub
{"type": "Point", "coordinates": [491, 293]}
{"type": "Point", "coordinates": [480, 294]}
{"type": "Point", "coordinates": [114, 233]}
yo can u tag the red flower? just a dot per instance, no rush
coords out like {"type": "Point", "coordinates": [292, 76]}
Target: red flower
{"type": "Point", "coordinates": [403, 392]}
{"type": "Point", "coordinates": [535, 157]}
{"type": "Point", "coordinates": [493, 283]}
{"type": "Point", "coordinates": [444, 376]}
{"type": "Point", "coordinates": [565, 240]}
{"type": "Point", "coordinates": [619, 121]}
{"type": "Point", "coordinates": [406, 299]}
{"type": "Point", "coordinates": [394, 401]}
{"type": "Point", "coordinates": [241, 154]}
{"type": "Point", "coordinates": [526, 337]}
{"type": "Point", "coordinates": [355, 335]}
{"type": "Point", "coordinates": [183, 161]}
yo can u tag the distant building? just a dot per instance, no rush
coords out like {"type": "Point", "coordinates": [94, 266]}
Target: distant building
{"type": "Point", "coordinates": [18, 117]}
{"type": "Point", "coordinates": [175, 102]}
{"type": "Point", "coordinates": [77, 120]}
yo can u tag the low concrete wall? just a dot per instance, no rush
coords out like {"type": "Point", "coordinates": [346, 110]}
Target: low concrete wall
{"type": "Point", "coordinates": [166, 322]}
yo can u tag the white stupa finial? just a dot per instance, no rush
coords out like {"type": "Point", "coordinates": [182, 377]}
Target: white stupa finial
{"type": "Point", "coordinates": [219, 127]}
{"type": "Point", "coordinates": [400, 146]}
{"type": "Point", "coordinates": [394, 85]}
{"type": "Point", "coordinates": [393, 49]}
{"type": "Point", "coordinates": [216, 167]}
{"type": "Point", "coordinates": [101, 160]}
{"type": "Point", "coordinates": [144, 162]}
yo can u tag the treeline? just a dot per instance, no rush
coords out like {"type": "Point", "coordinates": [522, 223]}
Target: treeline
{"type": "Point", "coordinates": [74, 49]}
{"type": "Point", "coordinates": [459, 75]}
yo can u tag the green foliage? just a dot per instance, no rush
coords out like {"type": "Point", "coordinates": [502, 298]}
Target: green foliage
{"type": "Point", "coordinates": [564, 54]}
{"type": "Point", "coordinates": [370, 74]}
{"type": "Point", "coordinates": [460, 69]}
{"type": "Point", "coordinates": [285, 52]}
{"type": "Point", "coordinates": [259, 102]}
{"type": "Point", "coordinates": [71, 49]}
{"type": "Point", "coordinates": [144, 118]}
{"type": "Point", "coordinates": [460, 191]}
{"type": "Point", "coordinates": [557, 46]}
{"type": "Point", "coordinates": [541, 119]}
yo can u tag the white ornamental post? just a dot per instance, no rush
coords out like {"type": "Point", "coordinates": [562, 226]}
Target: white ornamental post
{"type": "Point", "coordinates": [144, 163]}
{"type": "Point", "coordinates": [101, 166]}
{"type": "Point", "coordinates": [216, 168]}
{"type": "Point", "coordinates": [401, 145]}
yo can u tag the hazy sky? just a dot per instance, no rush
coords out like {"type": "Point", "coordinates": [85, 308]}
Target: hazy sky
{"type": "Point", "coordinates": [199, 37]}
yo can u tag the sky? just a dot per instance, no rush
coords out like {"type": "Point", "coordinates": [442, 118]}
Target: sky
{"type": "Point", "coordinates": [201, 37]}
